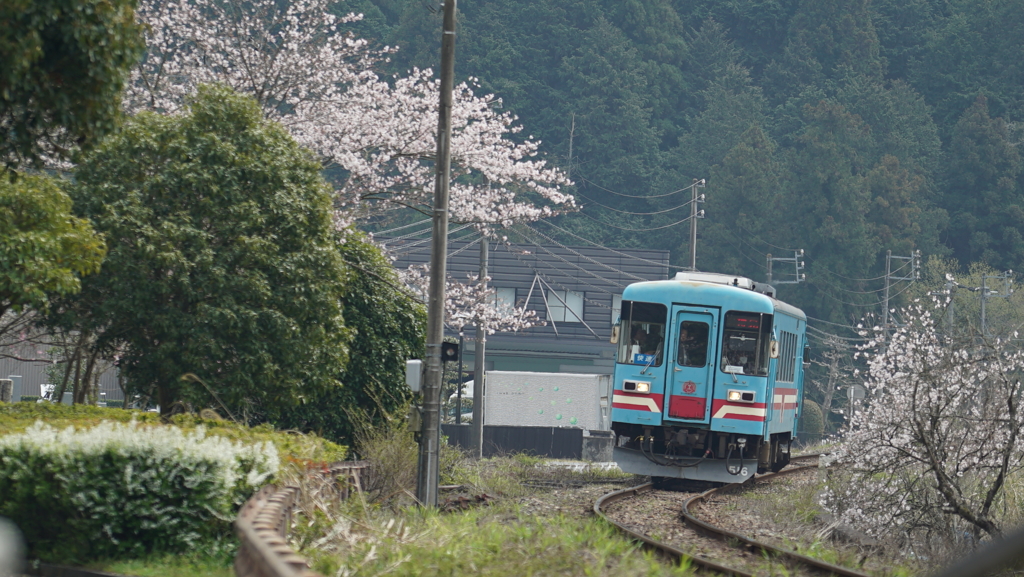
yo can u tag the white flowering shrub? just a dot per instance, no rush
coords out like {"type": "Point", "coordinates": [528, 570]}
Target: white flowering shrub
{"type": "Point", "coordinates": [927, 456]}
{"type": "Point", "coordinates": [119, 490]}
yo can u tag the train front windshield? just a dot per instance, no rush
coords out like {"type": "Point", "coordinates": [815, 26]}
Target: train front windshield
{"type": "Point", "coordinates": [642, 333]}
{"type": "Point", "coordinates": [745, 343]}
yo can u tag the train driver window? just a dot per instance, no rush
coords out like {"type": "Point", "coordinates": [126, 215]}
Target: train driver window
{"type": "Point", "coordinates": [745, 343]}
{"type": "Point", "coordinates": [693, 344]}
{"type": "Point", "coordinates": [642, 326]}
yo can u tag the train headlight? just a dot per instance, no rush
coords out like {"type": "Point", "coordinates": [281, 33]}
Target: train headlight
{"type": "Point", "coordinates": [740, 396]}
{"type": "Point", "coordinates": [636, 386]}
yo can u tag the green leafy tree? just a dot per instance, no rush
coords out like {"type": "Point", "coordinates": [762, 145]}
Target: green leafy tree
{"type": "Point", "coordinates": [389, 324]}
{"type": "Point", "coordinates": [222, 260]}
{"type": "Point", "coordinates": [65, 63]}
{"type": "Point", "coordinates": [44, 250]}
{"type": "Point", "coordinates": [982, 194]}
{"type": "Point", "coordinates": [744, 201]}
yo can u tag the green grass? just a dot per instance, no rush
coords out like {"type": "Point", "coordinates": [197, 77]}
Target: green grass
{"type": "Point", "coordinates": [498, 540]}
{"type": "Point", "coordinates": [169, 566]}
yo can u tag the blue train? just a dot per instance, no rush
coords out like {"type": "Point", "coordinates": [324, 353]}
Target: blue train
{"type": "Point", "coordinates": [708, 380]}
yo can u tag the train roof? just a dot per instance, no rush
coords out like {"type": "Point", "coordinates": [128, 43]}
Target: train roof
{"type": "Point", "coordinates": [730, 290]}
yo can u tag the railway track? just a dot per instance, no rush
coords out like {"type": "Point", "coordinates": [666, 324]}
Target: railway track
{"type": "Point", "coordinates": [741, 545]}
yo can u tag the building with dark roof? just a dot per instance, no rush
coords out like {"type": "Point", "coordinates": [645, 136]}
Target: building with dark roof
{"type": "Point", "coordinates": [575, 290]}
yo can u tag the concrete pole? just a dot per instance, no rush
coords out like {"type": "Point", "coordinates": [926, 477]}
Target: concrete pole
{"type": "Point", "coordinates": [476, 438]}
{"type": "Point", "coordinates": [769, 268]}
{"type": "Point", "coordinates": [428, 469]}
{"type": "Point", "coordinates": [885, 301]}
{"type": "Point", "coordinates": [693, 225]}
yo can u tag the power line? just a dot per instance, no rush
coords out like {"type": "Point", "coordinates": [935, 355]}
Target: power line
{"type": "Point", "coordinates": [587, 258]}
{"type": "Point", "coordinates": [860, 279]}
{"type": "Point", "coordinates": [684, 205]}
{"type": "Point", "coordinates": [635, 229]}
{"type": "Point", "coordinates": [875, 304]}
{"type": "Point", "coordinates": [629, 256]}
{"type": "Point", "coordinates": [632, 196]}
{"type": "Point", "coordinates": [852, 328]}
{"type": "Point", "coordinates": [822, 334]}
{"type": "Point", "coordinates": [597, 276]}
{"type": "Point", "coordinates": [403, 227]}
{"type": "Point", "coordinates": [560, 285]}
{"type": "Point", "coordinates": [766, 242]}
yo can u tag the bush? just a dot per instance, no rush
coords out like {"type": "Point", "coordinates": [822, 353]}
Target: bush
{"type": "Point", "coordinates": [812, 420]}
{"type": "Point", "coordinates": [124, 490]}
{"type": "Point", "coordinates": [29, 399]}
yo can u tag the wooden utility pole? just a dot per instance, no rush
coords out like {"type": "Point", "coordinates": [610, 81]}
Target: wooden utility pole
{"type": "Point", "coordinates": [476, 439]}
{"type": "Point", "coordinates": [428, 470]}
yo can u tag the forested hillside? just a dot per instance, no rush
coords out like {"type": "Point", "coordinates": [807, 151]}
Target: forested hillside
{"type": "Point", "coordinates": [843, 128]}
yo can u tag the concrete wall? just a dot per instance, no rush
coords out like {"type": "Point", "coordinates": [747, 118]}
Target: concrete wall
{"type": "Point", "coordinates": [528, 399]}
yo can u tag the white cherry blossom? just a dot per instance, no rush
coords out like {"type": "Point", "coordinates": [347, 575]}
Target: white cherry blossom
{"type": "Point", "coordinates": [320, 81]}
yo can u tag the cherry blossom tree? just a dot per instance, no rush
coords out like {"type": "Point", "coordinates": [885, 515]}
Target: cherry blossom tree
{"type": "Point", "coordinates": [473, 303]}
{"type": "Point", "coordinates": [319, 81]}
{"type": "Point", "coordinates": [929, 452]}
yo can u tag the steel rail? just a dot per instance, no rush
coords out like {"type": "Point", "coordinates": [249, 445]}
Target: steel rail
{"type": "Point", "coordinates": [717, 533]}
{"type": "Point", "coordinates": [663, 548]}
{"type": "Point", "coordinates": [710, 530]}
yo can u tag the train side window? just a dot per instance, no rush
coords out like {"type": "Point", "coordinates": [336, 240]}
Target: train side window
{"type": "Point", "coordinates": [693, 344]}
{"type": "Point", "coordinates": [642, 333]}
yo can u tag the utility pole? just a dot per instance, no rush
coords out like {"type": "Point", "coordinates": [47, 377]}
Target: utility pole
{"type": "Point", "coordinates": [798, 265]}
{"type": "Point", "coordinates": [428, 470]}
{"type": "Point", "coordinates": [476, 437]}
{"type": "Point", "coordinates": [694, 215]}
{"type": "Point", "coordinates": [948, 291]}
{"type": "Point", "coordinates": [915, 273]}
{"type": "Point", "coordinates": [1007, 278]}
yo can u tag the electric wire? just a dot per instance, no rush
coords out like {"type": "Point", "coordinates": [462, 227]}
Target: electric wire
{"type": "Point", "coordinates": [577, 278]}
{"type": "Point", "coordinates": [587, 258]}
{"type": "Point", "coordinates": [595, 185]}
{"type": "Point", "coordinates": [685, 204]}
{"type": "Point", "coordinates": [823, 269]}
{"type": "Point", "coordinates": [633, 229]}
{"type": "Point", "coordinates": [874, 291]}
{"type": "Point", "coordinates": [739, 251]}
{"type": "Point", "coordinates": [551, 281]}
{"type": "Point", "coordinates": [403, 227]}
{"type": "Point", "coordinates": [755, 237]}
{"type": "Point", "coordinates": [839, 300]}
{"type": "Point", "coordinates": [852, 328]}
{"type": "Point", "coordinates": [611, 250]}
{"type": "Point", "coordinates": [830, 335]}
{"type": "Point", "coordinates": [406, 236]}
{"type": "Point", "coordinates": [411, 247]}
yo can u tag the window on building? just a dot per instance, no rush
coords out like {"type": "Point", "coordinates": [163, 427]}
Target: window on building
{"type": "Point", "coordinates": [565, 306]}
{"type": "Point", "coordinates": [505, 298]}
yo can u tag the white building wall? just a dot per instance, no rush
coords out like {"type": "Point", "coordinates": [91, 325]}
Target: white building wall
{"type": "Point", "coordinates": [528, 399]}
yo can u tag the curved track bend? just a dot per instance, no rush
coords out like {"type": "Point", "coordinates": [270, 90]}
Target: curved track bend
{"type": "Point", "coordinates": [808, 565]}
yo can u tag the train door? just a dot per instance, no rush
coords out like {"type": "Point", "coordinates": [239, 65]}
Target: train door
{"type": "Point", "coordinates": [692, 353]}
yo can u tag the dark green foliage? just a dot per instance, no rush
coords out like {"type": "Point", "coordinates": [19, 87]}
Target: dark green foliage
{"type": "Point", "coordinates": [64, 65]}
{"type": "Point", "coordinates": [389, 327]}
{"type": "Point", "coordinates": [222, 261]}
{"type": "Point", "coordinates": [119, 491]}
{"type": "Point", "coordinates": [812, 422]}
{"type": "Point", "coordinates": [43, 249]}
{"type": "Point", "coordinates": [868, 107]}
{"type": "Point", "coordinates": [983, 194]}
